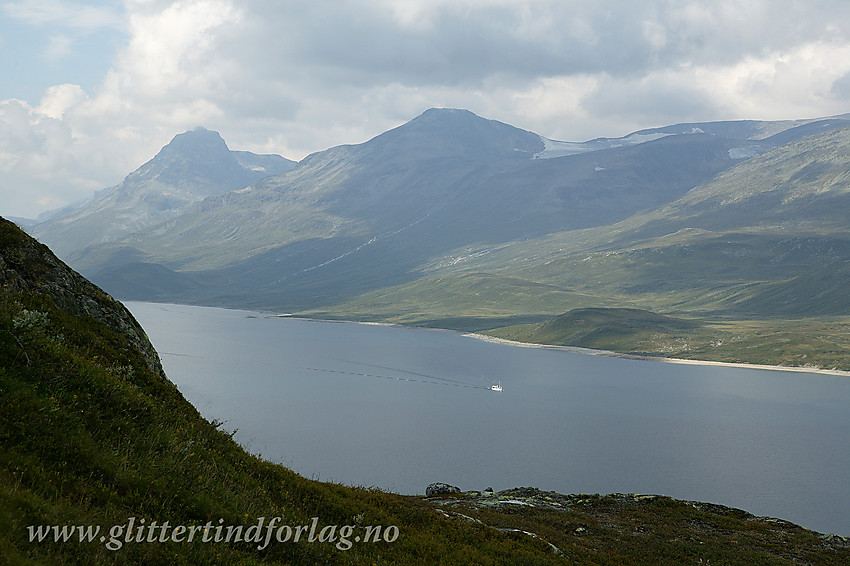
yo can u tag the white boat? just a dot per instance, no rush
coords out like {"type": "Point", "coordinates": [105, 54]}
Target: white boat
{"type": "Point", "coordinates": [497, 387]}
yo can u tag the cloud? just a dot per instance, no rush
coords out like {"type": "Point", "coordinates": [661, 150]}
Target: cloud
{"type": "Point", "coordinates": [295, 77]}
{"type": "Point", "coordinates": [58, 99]}
{"type": "Point", "coordinates": [40, 162]}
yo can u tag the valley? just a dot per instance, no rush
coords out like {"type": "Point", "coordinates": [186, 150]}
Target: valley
{"type": "Point", "coordinates": [455, 221]}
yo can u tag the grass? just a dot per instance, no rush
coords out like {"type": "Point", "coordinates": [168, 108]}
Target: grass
{"type": "Point", "coordinates": [467, 301]}
{"type": "Point", "coordinates": [749, 297]}
{"type": "Point", "coordinates": [817, 343]}
{"type": "Point", "coordinates": [641, 529]}
{"type": "Point", "coordinates": [92, 434]}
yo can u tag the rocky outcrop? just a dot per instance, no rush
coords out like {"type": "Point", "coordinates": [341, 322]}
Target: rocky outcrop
{"type": "Point", "coordinates": [27, 265]}
{"type": "Point", "coordinates": [584, 515]}
{"type": "Point", "coordinates": [439, 488]}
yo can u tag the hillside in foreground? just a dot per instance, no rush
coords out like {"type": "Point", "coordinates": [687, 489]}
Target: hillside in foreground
{"type": "Point", "coordinates": [92, 433]}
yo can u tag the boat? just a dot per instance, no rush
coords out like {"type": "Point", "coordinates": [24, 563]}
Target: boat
{"type": "Point", "coordinates": [496, 387]}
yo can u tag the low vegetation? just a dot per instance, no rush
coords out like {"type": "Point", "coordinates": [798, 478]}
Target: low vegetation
{"type": "Point", "coordinates": [93, 434]}
{"type": "Point", "coordinates": [742, 297]}
{"type": "Point", "coordinates": [822, 343]}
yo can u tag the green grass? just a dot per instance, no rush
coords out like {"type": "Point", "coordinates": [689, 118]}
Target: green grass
{"type": "Point", "coordinates": [638, 331]}
{"type": "Point", "coordinates": [92, 434]}
{"type": "Point", "coordinates": [817, 343]}
{"type": "Point", "coordinates": [468, 301]}
{"type": "Point", "coordinates": [751, 297]}
{"type": "Point", "coordinates": [628, 529]}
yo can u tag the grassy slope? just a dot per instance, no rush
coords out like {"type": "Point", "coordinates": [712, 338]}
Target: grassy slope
{"type": "Point", "coordinates": [814, 343]}
{"type": "Point", "coordinates": [468, 301]}
{"type": "Point", "coordinates": [753, 298]}
{"type": "Point", "coordinates": [759, 256]}
{"type": "Point", "coordinates": [91, 434]}
{"type": "Point", "coordinates": [603, 328]}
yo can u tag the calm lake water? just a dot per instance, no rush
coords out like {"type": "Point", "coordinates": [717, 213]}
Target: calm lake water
{"type": "Point", "coordinates": [399, 408]}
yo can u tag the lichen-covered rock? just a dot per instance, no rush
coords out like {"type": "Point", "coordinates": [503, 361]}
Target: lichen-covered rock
{"type": "Point", "coordinates": [440, 489]}
{"type": "Point", "coordinates": [27, 265]}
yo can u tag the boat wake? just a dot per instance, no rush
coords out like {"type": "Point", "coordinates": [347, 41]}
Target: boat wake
{"type": "Point", "coordinates": [420, 378]}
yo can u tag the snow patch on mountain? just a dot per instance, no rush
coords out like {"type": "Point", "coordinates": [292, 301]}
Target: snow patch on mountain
{"type": "Point", "coordinates": [745, 152]}
{"type": "Point", "coordinates": [555, 148]}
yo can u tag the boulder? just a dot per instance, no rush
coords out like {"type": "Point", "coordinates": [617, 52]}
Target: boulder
{"type": "Point", "coordinates": [440, 489]}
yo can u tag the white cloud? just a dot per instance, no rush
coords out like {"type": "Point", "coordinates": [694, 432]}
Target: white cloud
{"type": "Point", "coordinates": [42, 166]}
{"type": "Point", "coordinates": [173, 49]}
{"type": "Point", "coordinates": [60, 98]}
{"type": "Point", "coordinates": [299, 77]}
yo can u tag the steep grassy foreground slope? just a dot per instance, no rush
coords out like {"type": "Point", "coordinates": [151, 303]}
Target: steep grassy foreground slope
{"type": "Point", "coordinates": [93, 433]}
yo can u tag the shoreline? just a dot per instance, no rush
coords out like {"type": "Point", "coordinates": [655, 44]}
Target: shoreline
{"type": "Point", "coordinates": [572, 349]}
{"type": "Point", "coordinates": [586, 351]}
{"type": "Point", "coordinates": [613, 354]}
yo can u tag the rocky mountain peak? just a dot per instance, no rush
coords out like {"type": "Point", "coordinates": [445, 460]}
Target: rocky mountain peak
{"type": "Point", "coordinates": [193, 166]}
{"type": "Point", "coordinates": [196, 155]}
{"type": "Point", "coordinates": [199, 141]}
{"type": "Point", "coordinates": [441, 132]}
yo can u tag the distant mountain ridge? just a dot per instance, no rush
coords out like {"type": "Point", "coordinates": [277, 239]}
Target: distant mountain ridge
{"type": "Point", "coordinates": [765, 238]}
{"type": "Point", "coordinates": [763, 135]}
{"type": "Point", "coordinates": [193, 166]}
{"type": "Point", "coordinates": [355, 219]}
{"type": "Point", "coordinates": [358, 217]}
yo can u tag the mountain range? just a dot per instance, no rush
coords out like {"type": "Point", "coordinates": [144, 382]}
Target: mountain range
{"type": "Point", "coordinates": [455, 220]}
{"type": "Point", "coordinates": [195, 165]}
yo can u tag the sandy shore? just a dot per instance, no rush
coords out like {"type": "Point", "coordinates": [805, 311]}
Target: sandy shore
{"type": "Point", "coordinates": [592, 352]}
{"type": "Point", "coordinates": [589, 351]}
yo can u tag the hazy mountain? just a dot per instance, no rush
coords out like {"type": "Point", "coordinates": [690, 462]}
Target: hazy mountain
{"type": "Point", "coordinates": [25, 223]}
{"type": "Point", "coordinates": [358, 217]}
{"type": "Point", "coordinates": [193, 166]}
{"type": "Point", "coordinates": [801, 186]}
{"type": "Point", "coordinates": [767, 237]}
{"type": "Point", "coordinates": [792, 204]}
{"type": "Point", "coordinates": [764, 134]}
{"type": "Point", "coordinates": [354, 219]}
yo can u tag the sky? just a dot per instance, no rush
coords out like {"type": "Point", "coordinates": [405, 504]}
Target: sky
{"type": "Point", "coordinates": [90, 90]}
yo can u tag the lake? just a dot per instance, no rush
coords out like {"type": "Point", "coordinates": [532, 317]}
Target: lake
{"type": "Point", "coordinates": [399, 408]}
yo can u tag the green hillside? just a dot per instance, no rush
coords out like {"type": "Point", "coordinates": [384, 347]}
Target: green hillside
{"type": "Point", "coordinates": [603, 328]}
{"type": "Point", "coordinates": [758, 257]}
{"type": "Point", "coordinates": [92, 433]}
{"type": "Point", "coordinates": [358, 218]}
{"type": "Point", "coordinates": [455, 221]}
{"type": "Point", "coordinates": [807, 343]}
